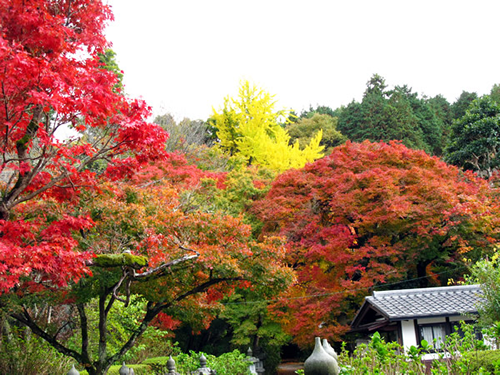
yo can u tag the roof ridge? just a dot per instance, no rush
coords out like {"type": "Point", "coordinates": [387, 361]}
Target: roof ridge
{"type": "Point", "coordinates": [453, 288]}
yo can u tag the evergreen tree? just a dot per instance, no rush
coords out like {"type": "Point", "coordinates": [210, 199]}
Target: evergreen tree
{"type": "Point", "coordinates": [475, 142]}
{"type": "Point", "coordinates": [396, 114]}
{"type": "Point", "coordinates": [460, 106]}
{"type": "Point", "coordinates": [495, 93]}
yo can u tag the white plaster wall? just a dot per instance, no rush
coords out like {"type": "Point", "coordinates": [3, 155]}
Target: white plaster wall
{"type": "Point", "coordinates": [408, 333]}
{"type": "Point", "coordinates": [410, 336]}
{"type": "Point", "coordinates": [490, 341]}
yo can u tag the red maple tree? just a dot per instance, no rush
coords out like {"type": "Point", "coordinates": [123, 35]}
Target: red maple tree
{"type": "Point", "coordinates": [52, 80]}
{"type": "Point", "coordinates": [367, 215]}
{"type": "Point", "coordinates": [106, 199]}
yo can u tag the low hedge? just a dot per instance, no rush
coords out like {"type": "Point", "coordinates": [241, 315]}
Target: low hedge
{"type": "Point", "coordinates": [232, 363]}
{"type": "Point", "coordinates": [141, 369]}
{"type": "Point", "coordinates": [489, 360]}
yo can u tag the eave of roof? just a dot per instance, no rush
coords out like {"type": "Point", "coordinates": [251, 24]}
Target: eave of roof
{"type": "Point", "coordinates": [407, 304]}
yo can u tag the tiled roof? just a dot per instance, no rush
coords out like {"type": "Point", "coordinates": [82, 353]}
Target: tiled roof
{"type": "Point", "coordinates": [426, 302]}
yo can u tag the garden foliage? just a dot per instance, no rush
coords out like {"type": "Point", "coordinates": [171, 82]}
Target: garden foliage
{"type": "Point", "coordinates": [461, 354]}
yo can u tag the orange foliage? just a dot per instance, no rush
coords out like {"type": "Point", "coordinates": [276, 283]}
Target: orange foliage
{"type": "Point", "coordinates": [367, 215]}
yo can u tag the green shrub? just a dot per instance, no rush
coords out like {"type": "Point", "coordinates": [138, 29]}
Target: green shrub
{"type": "Point", "coordinates": [489, 360]}
{"type": "Point", "coordinates": [114, 370]}
{"type": "Point", "coordinates": [121, 322]}
{"type": "Point", "coordinates": [232, 363]}
{"type": "Point", "coordinates": [461, 354]}
{"type": "Point", "coordinates": [379, 357]}
{"type": "Point", "coordinates": [24, 353]}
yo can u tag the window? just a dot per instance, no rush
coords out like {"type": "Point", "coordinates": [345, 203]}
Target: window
{"type": "Point", "coordinates": [433, 332]}
{"type": "Point", "coordinates": [457, 327]}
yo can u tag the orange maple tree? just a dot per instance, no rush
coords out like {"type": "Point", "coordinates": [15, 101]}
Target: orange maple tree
{"type": "Point", "coordinates": [194, 259]}
{"type": "Point", "coordinates": [367, 215]}
{"type": "Point", "coordinates": [144, 245]}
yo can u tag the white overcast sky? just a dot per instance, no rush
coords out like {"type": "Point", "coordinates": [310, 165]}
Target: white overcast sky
{"type": "Point", "coordinates": [185, 56]}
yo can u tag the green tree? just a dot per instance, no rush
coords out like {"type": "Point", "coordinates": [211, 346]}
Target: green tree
{"type": "Point", "coordinates": [401, 120]}
{"type": "Point", "coordinates": [475, 138]}
{"type": "Point", "coordinates": [487, 273]}
{"type": "Point", "coordinates": [495, 93]}
{"type": "Point", "coordinates": [322, 110]}
{"type": "Point", "coordinates": [366, 120]}
{"type": "Point", "coordinates": [442, 109]}
{"type": "Point", "coordinates": [463, 102]}
{"type": "Point", "coordinates": [253, 326]}
{"type": "Point", "coordinates": [108, 58]}
{"type": "Point", "coordinates": [430, 122]}
{"type": "Point", "coordinates": [396, 114]}
{"type": "Point", "coordinates": [306, 128]}
{"type": "Point", "coordinates": [249, 127]}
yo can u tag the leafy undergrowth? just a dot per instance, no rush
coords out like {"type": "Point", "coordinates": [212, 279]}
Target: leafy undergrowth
{"type": "Point", "coordinates": [138, 370]}
{"type": "Point", "coordinates": [232, 363]}
{"type": "Point", "coordinates": [489, 360]}
{"type": "Point", "coordinates": [464, 355]}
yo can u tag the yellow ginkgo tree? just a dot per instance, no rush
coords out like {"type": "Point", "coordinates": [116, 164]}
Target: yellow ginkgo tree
{"type": "Point", "coordinates": [249, 127]}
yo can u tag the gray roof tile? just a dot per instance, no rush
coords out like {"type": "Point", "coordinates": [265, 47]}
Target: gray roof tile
{"type": "Point", "coordinates": [426, 302]}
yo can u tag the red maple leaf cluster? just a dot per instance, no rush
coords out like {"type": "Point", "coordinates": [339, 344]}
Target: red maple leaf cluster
{"type": "Point", "coordinates": [52, 80]}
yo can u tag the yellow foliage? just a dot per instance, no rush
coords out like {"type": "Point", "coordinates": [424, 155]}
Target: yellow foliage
{"type": "Point", "coordinates": [248, 126]}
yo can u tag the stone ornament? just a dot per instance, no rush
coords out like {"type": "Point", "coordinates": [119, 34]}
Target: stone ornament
{"type": "Point", "coordinates": [320, 362]}
{"type": "Point", "coordinates": [328, 348]}
{"type": "Point", "coordinates": [171, 366]}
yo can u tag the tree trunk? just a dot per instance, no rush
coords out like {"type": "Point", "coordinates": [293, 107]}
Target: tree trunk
{"type": "Point", "coordinates": [422, 274]}
{"type": "Point", "coordinates": [4, 213]}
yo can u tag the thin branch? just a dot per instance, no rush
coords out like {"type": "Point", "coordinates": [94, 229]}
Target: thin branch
{"type": "Point", "coordinates": [67, 323]}
{"type": "Point", "coordinates": [200, 288]}
{"type": "Point", "coordinates": [25, 198]}
{"type": "Point", "coordinates": [126, 273]}
{"type": "Point", "coordinates": [26, 319]}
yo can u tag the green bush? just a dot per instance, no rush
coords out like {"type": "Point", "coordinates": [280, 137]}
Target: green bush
{"type": "Point", "coordinates": [24, 353]}
{"type": "Point", "coordinates": [114, 370]}
{"type": "Point", "coordinates": [379, 357]}
{"type": "Point", "coordinates": [232, 363]}
{"type": "Point", "coordinates": [460, 354]}
{"type": "Point", "coordinates": [120, 324]}
{"type": "Point", "coordinates": [489, 360]}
